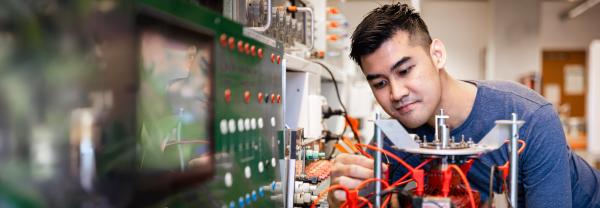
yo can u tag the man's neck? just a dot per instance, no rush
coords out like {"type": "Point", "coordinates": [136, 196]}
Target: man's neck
{"type": "Point", "coordinates": [457, 100]}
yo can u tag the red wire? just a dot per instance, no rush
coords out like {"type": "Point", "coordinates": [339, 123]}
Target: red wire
{"type": "Point", "coordinates": [370, 180]}
{"type": "Point", "coordinates": [389, 154]}
{"type": "Point", "coordinates": [400, 182]}
{"type": "Point", "coordinates": [365, 200]}
{"type": "Point", "coordinates": [331, 188]}
{"type": "Point", "coordinates": [363, 152]}
{"type": "Point", "coordinates": [523, 144]}
{"type": "Point", "coordinates": [466, 182]}
{"type": "Point", "coordinates": [386, 201]}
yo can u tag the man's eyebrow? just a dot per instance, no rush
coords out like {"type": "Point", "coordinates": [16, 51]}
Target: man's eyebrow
{"type": "Point", "coordinates": [399, 63]}
{"type": "Point", "coordinates": [373, 76]}
{"type": "Point", "coordinates": [396, 65]}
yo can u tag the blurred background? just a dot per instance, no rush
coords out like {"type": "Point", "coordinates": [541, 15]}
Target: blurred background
{"type": "Point", "coordinates": [107, 103]}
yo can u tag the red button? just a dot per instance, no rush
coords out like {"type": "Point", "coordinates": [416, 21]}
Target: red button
{"type": "Point", "coordinates": [272, 58]}
{"type": "Point", "coordinates": [272, 98]}
{"type": "Point", "coordinates": [247, 96]}
{"type": "Point", "coordinates": [260, 53]}
{"type": "Point", "coordinates": [260, 97]}
{"type": "Point", "coordinates": [240, 45]}
{"type": "Point", "coordinates": [231, 43]}
{"type": "Point", "coordinates": [223, 40]}
{"type": "Point", "coordinates": [253, 50]}
{"type": "Point", "coordinates": [278, 98]}
{"type": "Point", "coordinates": [278, 59]}
{"type": "Point", "coordinates": [247, 48]}
{"type": "Point", "coordinates": [227, 95]}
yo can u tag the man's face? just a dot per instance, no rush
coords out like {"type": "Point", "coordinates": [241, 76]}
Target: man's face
{"type": "Point", "coordinates": [404, 80]}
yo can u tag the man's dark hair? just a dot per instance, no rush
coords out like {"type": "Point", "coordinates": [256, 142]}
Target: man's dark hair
{"type": "Point", "coordinates": [382, 23]}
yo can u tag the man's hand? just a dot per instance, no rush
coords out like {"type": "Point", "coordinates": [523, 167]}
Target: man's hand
{"type": "Point", "coordinates": [349, 170]}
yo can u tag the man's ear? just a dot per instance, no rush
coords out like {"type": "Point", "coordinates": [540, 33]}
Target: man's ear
{"type": "Point", "coordinates": [437, 51]}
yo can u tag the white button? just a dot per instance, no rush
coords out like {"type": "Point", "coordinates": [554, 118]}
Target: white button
{"type": "Point", "coordinates": [247, 172]}
{"type": "Point", "coordinates": [260, 123]}
{"type": "Point", "coordinates": [228, 179]}
{"type": "Point", "coordinates": [223, 126]}
{"type": "Point", "coordinates": [261, 167]}
{"type": "Point", "coordinates": [240, 124]}
{"type": "Point", "coordinates": [231, 126]}
{"type": "Point", "coordinates": [253, 123]}
{"type": "Point", "coordinates": [273, 121]}
{"type": "Point", "coordinates": [247, 124]}
{"type": "Point", "coordinates": [273, 162]}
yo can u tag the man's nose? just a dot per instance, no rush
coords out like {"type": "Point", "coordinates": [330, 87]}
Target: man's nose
{"type": "Point", "coordinates": [398, 90]}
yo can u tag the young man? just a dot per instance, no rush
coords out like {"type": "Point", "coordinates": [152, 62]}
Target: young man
{"type": "Point", "coordinates": [407, 74]}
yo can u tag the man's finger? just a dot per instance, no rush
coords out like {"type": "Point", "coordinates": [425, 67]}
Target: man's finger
{"type": "Point", "coordinates": [354, 171]}
{"type": "Point", "coordinates": [347, 182]}
{"type": "Point", "coordinates": [355, 159]}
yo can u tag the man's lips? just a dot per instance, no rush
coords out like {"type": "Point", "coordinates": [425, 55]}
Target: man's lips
{"type": "Point", "coordinates": [406, 107]}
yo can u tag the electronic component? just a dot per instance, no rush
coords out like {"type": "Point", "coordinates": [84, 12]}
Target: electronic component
{"type": "Point", "coordinates": [211, 101]}
{"type": "Point", "coordinates": [446, 156]}
{"type": "Point", "coordinates": [444, 183]}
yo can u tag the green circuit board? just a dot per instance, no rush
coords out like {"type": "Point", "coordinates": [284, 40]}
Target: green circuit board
{"type": "Point", "coordinates": [211, 99]}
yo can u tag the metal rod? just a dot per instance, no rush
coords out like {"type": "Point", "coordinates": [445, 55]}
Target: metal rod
{"type": "Point", "coordinates": [269, 17]}
{"type": "Point", "coordinates": [514, 162]}
{"type": "Point", "coordinates": [379, 141]}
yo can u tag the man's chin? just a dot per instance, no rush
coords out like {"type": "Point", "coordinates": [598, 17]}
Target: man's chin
{"type": "Point", "coordinates": [410, 122]}
{"type": "Point", "coordinates": [410, 125]}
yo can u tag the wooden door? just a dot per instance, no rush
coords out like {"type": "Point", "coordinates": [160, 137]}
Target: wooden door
{"type": "Point", "coordinates": [564, 79]}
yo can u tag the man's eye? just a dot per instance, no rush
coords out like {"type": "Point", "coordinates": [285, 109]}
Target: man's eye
{"type": "Point", "coordinates": [380, 84]}
{"type": "Point", "coordinates": [404, 72]}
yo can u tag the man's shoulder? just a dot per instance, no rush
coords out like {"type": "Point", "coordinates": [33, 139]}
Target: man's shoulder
{"type": "Point", "coordinates": [497, 100]}
{"type": "Point", "coordinates": [513, 91]}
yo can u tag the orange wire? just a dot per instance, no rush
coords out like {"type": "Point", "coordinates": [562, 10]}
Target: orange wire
{"type": "Point", "coordinates": [389, 154]}
{"type": "Point", "coordinates": [370, 180]}
{"type": "Point", "coordinates": [523, 144]}
{"type": "Point", "coordinates": [521, 148]}
{"type": "Point", "coordinates": [331, 188]}
{"type": "Point", "coordinates": [360, 198]}
{"type": "Point", "coordinates": [400, 182]}
{"type": "Point", "coordinates": [386, 201]}
{"type": "Point", "coordinates": [466, 182]}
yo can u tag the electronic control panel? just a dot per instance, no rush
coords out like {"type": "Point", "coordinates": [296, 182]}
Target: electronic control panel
{"type": "Point", "coordinates": [211, 101]}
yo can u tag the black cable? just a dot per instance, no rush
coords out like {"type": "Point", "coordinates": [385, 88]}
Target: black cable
{"type": "Point", "coordinates": [337, 91]}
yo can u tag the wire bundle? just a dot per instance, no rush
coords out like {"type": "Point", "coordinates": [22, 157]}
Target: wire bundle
{"type": "Point", "coordinates": [353, 200]}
